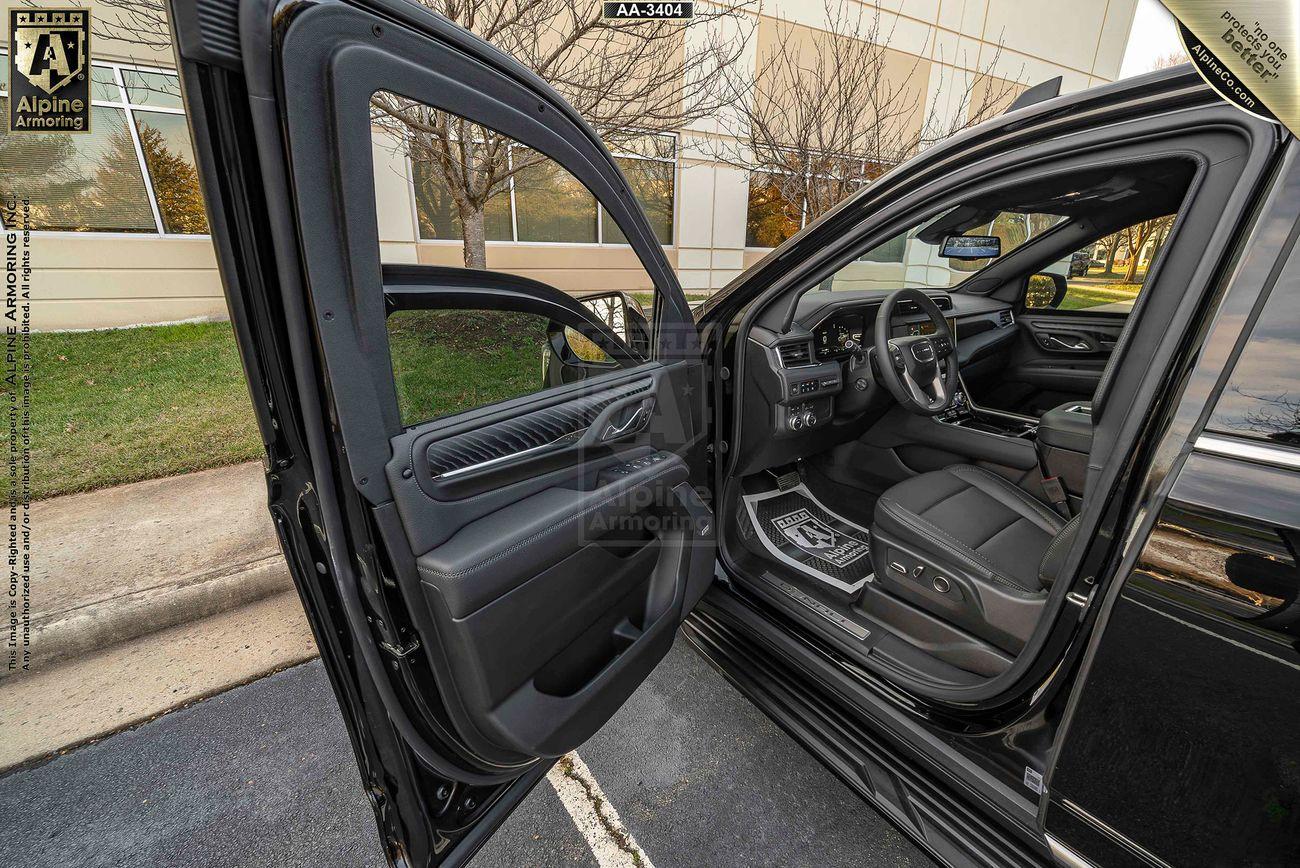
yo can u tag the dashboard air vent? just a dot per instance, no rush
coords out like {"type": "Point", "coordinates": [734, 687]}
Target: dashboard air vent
{"type": "Point", "coordinates": [795, 355]}
{"type": "Point", "coordinates": [1005, 317]}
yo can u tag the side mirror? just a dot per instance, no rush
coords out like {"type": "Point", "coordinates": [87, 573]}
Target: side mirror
{"type": "Point", "coordinates": [969, 247]}
{"type": "Point", "coordinates": [1045, 290]}
{"type": "Point", "coordinates": [623, 314]}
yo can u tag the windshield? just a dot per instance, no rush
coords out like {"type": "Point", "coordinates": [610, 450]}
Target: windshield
{"type": "Point", "coordinates": [906, 260]}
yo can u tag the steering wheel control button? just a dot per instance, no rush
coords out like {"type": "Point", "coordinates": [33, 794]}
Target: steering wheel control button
{"type": "Point", "coordinates": [942, 585]}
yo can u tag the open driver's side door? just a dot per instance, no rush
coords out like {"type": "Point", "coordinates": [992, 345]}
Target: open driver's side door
{"type": "Point", "coordinates": [489, 585]}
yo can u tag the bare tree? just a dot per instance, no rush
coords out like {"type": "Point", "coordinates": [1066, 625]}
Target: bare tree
{"type": "Point", "coordinates": [626, 79]}
{"type": "Point", "coordinates": [827, 111]}
{"type": "Point", "coordinates": [135, 22]}
{"type": "Point", "coordinates": [1135, 238]}
{"type": "Point", "coordinates": [1173, 58]}
{"type": "Point", "coordinates": [1276, 417]}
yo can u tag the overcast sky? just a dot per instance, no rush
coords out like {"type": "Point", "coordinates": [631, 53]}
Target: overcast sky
{"type": "Point", "coordinates": [1154, 35]}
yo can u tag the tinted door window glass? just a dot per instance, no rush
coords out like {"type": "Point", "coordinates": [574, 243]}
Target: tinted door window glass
{"type": "Point", "coordinates": [1262, 398]}
{"type": "Point", "coordinates": [1105, 276]}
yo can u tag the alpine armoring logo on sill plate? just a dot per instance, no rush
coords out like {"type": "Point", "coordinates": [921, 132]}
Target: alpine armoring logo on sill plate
{"type": "Point", "coordinates": [49, 70]}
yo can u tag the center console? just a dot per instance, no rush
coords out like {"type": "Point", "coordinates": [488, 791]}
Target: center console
{"type": "Point", "coordinates": [964, 413]}
{"type": "Point", "coordinates": [1064, 441]}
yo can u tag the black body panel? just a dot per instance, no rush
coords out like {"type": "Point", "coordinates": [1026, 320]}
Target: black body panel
{"type": "Point", "coordinates": [1185, 739]}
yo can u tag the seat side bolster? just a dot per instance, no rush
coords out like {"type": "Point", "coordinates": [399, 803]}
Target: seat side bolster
{"type": "Point", "coordinates": [1010, 495]}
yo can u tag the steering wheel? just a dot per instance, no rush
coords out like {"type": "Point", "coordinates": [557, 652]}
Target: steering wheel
{"type": "Point", "coordinates": [920, 371]}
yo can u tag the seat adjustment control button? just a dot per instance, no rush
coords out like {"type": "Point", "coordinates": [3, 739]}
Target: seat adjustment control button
{"type": "Point", "coordinates": [941, 585]}
{"type": "Point", "coordinates": [918, 570]}
{"type": "Point", "coordinates": [897, 567]}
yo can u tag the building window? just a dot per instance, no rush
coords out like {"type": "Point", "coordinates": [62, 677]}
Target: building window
{"type": "Point", "coordinates": [541, 202]}
{"type": "Point", "coordinates": [550, 204]}
{"type": "Point", "coordinates": [134, 172]}
{"type": "Point", "coordinates": [775, 214]}
{"type": "Point", "coordinates": [771, 217]}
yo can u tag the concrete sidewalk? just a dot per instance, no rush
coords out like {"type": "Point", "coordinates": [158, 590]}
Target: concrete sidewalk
{"type": "Point", "coordinates": [147, 597]}
{"type": "Point", "coordinates": [115, 564]}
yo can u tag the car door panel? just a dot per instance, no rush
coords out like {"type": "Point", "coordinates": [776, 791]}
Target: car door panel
{"type": "Point", "coordinates": [557, 544]}
{"type": "Point", "coordinates": [487, 587]}
{"type": "Point", "coordinates": [1209, 610]}
{"type": "Point", "coordinates": [593, 606]}
{"type": "Point", "coordinates": [1056, 358]}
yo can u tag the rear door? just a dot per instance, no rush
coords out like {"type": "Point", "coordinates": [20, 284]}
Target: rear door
{"type": "Point", "coordinates": [487, 489]}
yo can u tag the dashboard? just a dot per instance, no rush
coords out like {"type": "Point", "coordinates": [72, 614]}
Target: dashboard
{"type": "Point", "coordinates": [836, 336]}
{"type": "Point", "coordinates": [811, 388]}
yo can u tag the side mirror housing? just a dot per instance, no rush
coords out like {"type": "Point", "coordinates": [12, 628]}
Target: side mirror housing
{"type": "Point", "coordinates": [624, 316]}
{"type": "Point", "coordinates": [1045, 290]}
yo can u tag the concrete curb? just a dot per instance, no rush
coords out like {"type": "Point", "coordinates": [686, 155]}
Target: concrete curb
{"type": "Point", "coordinates": [97, 625]}
{"type": "Point", "coordinates": [64, 705]}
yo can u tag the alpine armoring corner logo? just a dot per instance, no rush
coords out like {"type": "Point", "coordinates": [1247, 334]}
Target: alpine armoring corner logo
{"type": "Point", "coordinates": [1248, 51]}
{"type": "Point", "coordinates": [1218, 76]}
{"type": "Point", "coordinates": [49, 66]}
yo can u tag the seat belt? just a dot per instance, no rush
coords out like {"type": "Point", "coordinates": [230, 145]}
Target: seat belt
{"type": "Point", "coordinates": [1053, 490]}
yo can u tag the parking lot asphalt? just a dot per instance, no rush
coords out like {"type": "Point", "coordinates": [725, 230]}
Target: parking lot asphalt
{"type": "Point", "coordinates": [264, 775]}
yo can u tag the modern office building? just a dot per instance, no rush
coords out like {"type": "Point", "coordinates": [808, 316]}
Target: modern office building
{"type": "Point", "coordinates": [122, 239]}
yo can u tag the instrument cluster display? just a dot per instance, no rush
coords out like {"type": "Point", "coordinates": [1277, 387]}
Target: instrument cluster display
{"type": "Point", "coordinates": [832, 337]}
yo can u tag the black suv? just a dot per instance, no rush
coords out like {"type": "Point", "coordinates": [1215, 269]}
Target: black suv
{"type": "Point", "coordinates": [1019, 567]}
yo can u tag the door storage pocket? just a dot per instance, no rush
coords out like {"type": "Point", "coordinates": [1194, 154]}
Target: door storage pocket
{"type": "Point", "coordinates": [558, 610]}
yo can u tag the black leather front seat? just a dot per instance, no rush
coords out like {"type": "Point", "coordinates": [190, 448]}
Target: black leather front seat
{"type": "Point", "coordinates": [971, 547]}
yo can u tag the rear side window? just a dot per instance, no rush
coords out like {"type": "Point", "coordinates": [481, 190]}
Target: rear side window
{"type": "Point", "coordinates": [1262, 397]}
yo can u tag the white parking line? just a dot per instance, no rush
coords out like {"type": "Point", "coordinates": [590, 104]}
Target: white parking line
{"type": "Point", "coordinates": [610, 841]}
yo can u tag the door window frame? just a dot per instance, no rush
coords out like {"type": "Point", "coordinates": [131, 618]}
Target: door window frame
{"type": "Point", "coordinates": [332, 63]}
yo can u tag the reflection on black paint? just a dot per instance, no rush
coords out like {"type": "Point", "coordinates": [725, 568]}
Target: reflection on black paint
{"type": "Point", "coordinates": [1262, 398]}
{"type": "Point", "coordinates": [1245, 568]}
{"type": "Point", "coordinates": [1185, 739]}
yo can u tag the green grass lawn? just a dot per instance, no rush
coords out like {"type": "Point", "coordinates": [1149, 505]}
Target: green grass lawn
{"type": "Point", "coordinates": [123, 405]}
{"type": "Point", "coordinates": [448, 361]}
{"type": "Point", "coordinates": [119, 406]}
{"type": "Point", "coordinates": [647, 299]}
{"type": "Point", "coordinates": [1082, 296]}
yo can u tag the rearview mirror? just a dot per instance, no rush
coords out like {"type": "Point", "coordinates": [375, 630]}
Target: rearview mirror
{"type": "Point", "coordinates": [971, 247]}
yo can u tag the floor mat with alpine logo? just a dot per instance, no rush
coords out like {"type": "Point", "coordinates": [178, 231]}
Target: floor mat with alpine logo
{"type": "Point", "coordinates": [799, 531]}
